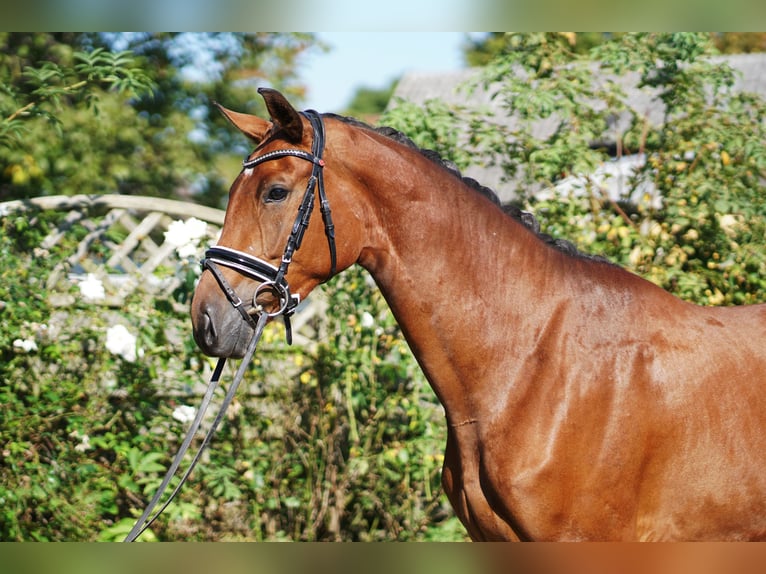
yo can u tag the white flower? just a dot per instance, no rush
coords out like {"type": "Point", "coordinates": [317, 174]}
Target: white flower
{"type": "Point", "coordinates": [92, 289]}
{"type": "Point", "coordinates": [184, 414]}
{"type": "Point", "coordinates": [119, 341]}
{"type": "Point", "coordinates": [185, 235]}
{"type": "Point", "coordinates": [26, 345]}
{"type": "Point", "coordinates": [731, 224]}
{"type": "Point", "coordinates": [84, 441]}
{"type": "Point", "coordinates": [84, 444]}
{"type": "Point", "coordinates": [188, 250]}
{"type": "Point", "coordinates": [367, 320]}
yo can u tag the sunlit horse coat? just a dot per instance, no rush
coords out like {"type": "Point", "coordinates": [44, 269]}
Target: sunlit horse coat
{"type": "Point", "coordinates": [582, 401]}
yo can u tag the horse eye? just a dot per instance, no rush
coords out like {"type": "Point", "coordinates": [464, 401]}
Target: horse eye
{"type": "Point", "coordinates": [276, 194]}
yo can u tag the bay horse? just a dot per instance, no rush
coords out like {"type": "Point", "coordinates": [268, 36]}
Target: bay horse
{"type": "Point", "coordinates": [582, 401]}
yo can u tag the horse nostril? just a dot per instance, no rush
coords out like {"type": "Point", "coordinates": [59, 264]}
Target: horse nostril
{"type": "Point", "coordinates": [211, 335]}
{"type": "Point", "coordinates": [205, 332]}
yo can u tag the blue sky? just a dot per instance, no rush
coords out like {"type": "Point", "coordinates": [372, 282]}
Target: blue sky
{"type": "Point", "coordinates": [353, 60]}
{"type": "Point", "coordinates": [374, 59]}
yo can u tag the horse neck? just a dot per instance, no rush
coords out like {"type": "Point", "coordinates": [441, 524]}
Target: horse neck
{"type": "Point", "coordinates": [454, 269]}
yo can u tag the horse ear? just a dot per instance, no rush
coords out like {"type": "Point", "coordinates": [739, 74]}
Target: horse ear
{"type": "Point", "coordinates": [252, 126]}
{"type": "Point", "coordinates": [283, 114]}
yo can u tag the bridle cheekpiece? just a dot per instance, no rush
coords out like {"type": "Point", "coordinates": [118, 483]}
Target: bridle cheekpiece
{"type": "Point", "coordinates": [273, 278]}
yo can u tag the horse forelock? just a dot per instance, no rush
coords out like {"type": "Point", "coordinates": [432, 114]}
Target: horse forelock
{"type": "Point", "coordinates": [524, 217]}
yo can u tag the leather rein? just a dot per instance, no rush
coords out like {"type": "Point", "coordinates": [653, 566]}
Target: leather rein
{"type": "Point", "coordinates": [271, 279]}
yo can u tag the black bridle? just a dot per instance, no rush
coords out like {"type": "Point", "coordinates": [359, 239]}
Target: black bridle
{"type": "Point", "coordinates": [271, 278]}
{"type": "Point", "coordinates": [274, 278]}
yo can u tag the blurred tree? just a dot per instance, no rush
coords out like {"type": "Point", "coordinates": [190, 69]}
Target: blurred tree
{"type": "Point", "coordinates": [740, 42]}
{"type": "Point", "coordinates": [132, 113]}
{"type": "Point", "coordinates": [691, 215]}
{"type": "Point", "coordinates": [368, 103]}
{"type": "Point", "coordinates": [481, 50]}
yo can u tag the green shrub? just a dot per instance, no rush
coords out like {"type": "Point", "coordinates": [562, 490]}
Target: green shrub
{"type": "Point", "coordinates": [691, 217]}
{"type": "Point", "coordinates": [341, 442]}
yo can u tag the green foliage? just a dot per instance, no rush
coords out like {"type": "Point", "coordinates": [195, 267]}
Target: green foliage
{"type": "Point", "coordinates": [740, 42]}
{"type": "Point", "coordinates": [368, 102]}
{"type": "Point", "coordinates": [75, 448]}
{"type": "Point", "coordinates": [41, 91]}
{"type": "Point", "coordinates": [343, 442]}
{"type": "Point", "coordinates": [481, 50]}
{"type": "Point", "coordinates": [540, 77]}
{"type": "Point", "coordinates": [706, 161]}
{"type": "Point", "coordinates": [122, 113]}
{"type": "Point", "coordinates": [692, 217]}
{"type": "Point", "coordinates": [431, 126]}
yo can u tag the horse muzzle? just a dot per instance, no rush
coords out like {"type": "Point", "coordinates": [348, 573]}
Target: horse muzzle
{"type": "Point", "coordinates": [218, 329]}
{"type": "Point", "coordinates": [221, 330]}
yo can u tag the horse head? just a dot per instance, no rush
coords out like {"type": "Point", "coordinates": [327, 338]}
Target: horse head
{"type": "Point", "coordinates": [272, 252]}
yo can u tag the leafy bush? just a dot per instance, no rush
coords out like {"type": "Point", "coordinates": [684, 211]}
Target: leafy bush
{"type": "Point", "coordinates": [92, 112]}
{"type": "Point", "coordinates": [341, 442]}
{"type": "Point", "coordinates": [692, 213]}
{"type": "Point", "coordinates": [344, 440]}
